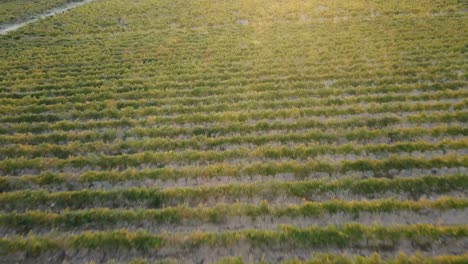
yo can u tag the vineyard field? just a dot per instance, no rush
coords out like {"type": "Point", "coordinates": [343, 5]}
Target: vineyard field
{"type": "Point", "coordinates": [234, 131]}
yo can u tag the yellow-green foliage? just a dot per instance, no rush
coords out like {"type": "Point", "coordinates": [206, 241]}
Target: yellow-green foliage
{"type": "Point", "coordinates": [221, 213]}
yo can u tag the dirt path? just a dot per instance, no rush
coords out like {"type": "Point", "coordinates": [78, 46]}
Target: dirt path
{"type": "Point", "coordinates": [5, 28]}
